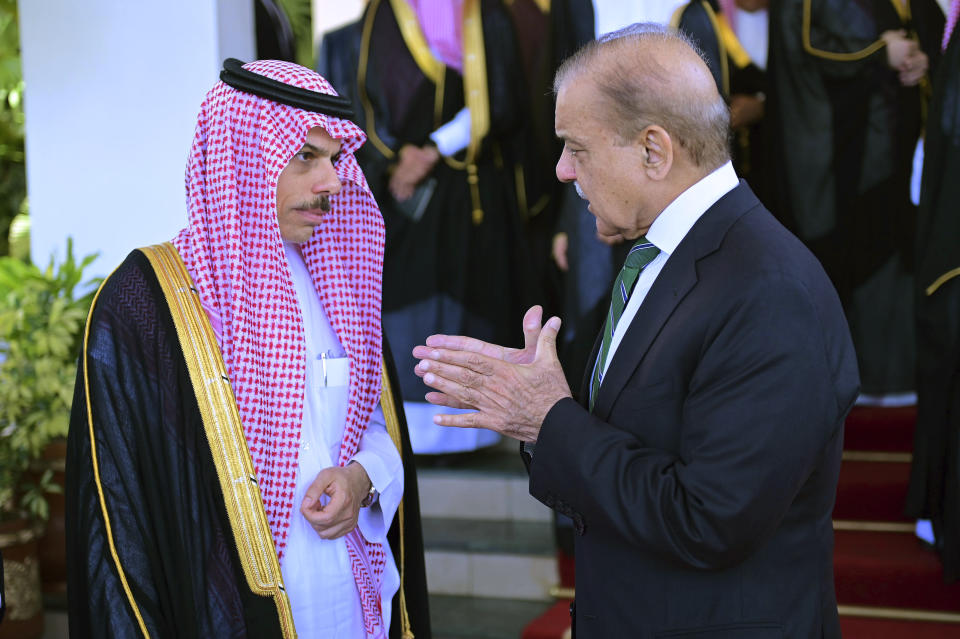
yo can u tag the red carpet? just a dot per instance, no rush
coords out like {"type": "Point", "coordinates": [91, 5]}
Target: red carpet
{"type": "Point", "coordinates": [872, 491]}
{"type": "Point", "coordinates": [883, 429]}
{"type": "Point", "coordinates": [895, 583]}
{"type": "Point", "coordinates": [890, 570]}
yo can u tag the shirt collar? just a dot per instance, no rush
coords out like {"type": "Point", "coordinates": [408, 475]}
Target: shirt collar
{"type": "Point", "coordinates": [675, 221]}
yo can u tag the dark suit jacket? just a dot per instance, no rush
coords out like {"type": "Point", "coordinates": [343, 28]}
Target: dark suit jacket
{"type": "Point", "coordinates": [702, 484]}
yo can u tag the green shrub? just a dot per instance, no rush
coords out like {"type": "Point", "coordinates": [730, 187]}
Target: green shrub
{"type": "Point", "coordinates": [42, 315]}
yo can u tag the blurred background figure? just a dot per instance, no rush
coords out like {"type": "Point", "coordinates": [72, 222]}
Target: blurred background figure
{"type": "Point", "coordinates": [935, 475]}
{"type": "Point", "coordinates": [439, 87]}
{"type": "Point", "coordinates": [741, 81]}
{"type": "Point", "coordinates": [847, 88]}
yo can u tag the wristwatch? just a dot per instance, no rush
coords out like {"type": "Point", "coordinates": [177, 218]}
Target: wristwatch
{"type": "Point", "coordinates": [371, 497]}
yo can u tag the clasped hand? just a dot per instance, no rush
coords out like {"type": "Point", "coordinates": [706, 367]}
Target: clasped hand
{"type": "Point", "coordinates": [414, 163]}
{"type": "Point", "coordinates": [510, 390]}
{"type": "Point", "coordinates": [346, 487]}
{"type": "Point", "coordinates": [905, 57]}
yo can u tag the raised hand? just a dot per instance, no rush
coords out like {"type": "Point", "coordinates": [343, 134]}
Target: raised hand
{"type": "Point", "coordinates": [511, 390]}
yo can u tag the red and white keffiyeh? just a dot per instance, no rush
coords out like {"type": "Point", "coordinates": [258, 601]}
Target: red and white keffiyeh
{"type": "Point", "coordinates": [233, 249]}
{"type": "Point", "coordinates": [953, 14]}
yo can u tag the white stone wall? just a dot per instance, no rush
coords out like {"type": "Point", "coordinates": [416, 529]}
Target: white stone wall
{"type": "Point", "coordinates": [113, 88]}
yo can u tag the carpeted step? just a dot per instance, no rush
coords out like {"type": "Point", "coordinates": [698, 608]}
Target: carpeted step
{"type": "Point", "coordinates": [891, 570]}
{"type": "Point", "coordinates": [866, 628]}
{"type": "Point", "coordinates": [552, 624]}
{"type": "Point", "coordinates": [872, 491]}
{"type": "Point", "coordinates": [480, 618]}
{"type": "Point", "coordinates": [880, 428]}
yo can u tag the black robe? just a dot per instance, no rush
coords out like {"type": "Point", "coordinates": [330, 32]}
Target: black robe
{"type": "Point", "coordinates": [167, 561]}
{"type": "Point", "coordinates": [735, 74]}
{"type": "Point", "coordinates": [445, 270]}
{"type": "Point", "coordinates": [843, 132]}
{"type": "Point", "coordinates": [935, 475]}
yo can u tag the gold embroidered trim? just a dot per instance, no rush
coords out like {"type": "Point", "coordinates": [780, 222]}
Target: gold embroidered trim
{"type": "Point", "coordinates": [475, 95]}
{"type": "Point", "coordinates": [730, 40]}
{"type": "Point", "coordinates": [520, 183]}
{"type": "Point", "coordinates": [416, 42]}
{"type": "Point", "coordinates": [943, 279]}
{"type": "Point", "coordinates": [902, 9]}
{"type": "Point", "coordinates": [362, 81]}
{"type": "Point", "coordinates": [392, 420]}
{"type": "Point", "coordinates": [221, 421]}
{"type": "Point", "coordinates": [96, 471]}
{"type": "Point", "coordinates": [722, 46]}
{"type": "Point", "coordinates": [727, 42]}
{"type": "Point", "coordinates": [677, 14]}
{"type": "Point", "coordinates": [829, 55]}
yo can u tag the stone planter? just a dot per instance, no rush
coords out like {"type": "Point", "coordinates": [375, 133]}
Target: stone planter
{"type": "Point", "coordinates": [21, 570]}
{"type": "Point", "coordinates": [52, 546]}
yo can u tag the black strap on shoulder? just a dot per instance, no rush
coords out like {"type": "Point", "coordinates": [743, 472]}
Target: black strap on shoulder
{"type": "Point", "coordinates": [247, 81]}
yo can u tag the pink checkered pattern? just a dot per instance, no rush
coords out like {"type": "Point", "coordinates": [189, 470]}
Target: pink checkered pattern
{"type": "Point", "coordinates": [441, 22]}
{"type": "Point", "coordinates": [952, 14]}
{"type": "Point", "coordinates": [233, 249]}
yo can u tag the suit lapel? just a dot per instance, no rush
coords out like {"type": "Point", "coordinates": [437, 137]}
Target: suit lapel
{"type": "Point", "coordinates": [675, 281]}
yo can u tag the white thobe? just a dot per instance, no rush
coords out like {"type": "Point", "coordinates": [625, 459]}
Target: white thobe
{"type": "Point", "coordinates": [317, 572]}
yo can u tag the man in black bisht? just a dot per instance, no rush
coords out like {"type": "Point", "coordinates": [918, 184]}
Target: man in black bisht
{"type": "Point", "coordinates": [935, 477]}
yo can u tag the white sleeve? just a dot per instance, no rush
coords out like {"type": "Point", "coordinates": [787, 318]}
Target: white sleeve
{"type": "Point", "coordinates": [381, 460]}
{"type": "Point", "coordinates": [454, 136]}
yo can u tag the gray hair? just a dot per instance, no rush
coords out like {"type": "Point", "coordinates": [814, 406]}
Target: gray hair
{"type": "Point", "coordinates": [640, 91]}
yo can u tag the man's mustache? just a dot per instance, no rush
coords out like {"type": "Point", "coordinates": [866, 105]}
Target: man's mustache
{"type": "Point", "coordinates": [321, 202]}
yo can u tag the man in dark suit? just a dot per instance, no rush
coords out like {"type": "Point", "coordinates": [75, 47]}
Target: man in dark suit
{"type": "Point", "coordinates": [700, 465]}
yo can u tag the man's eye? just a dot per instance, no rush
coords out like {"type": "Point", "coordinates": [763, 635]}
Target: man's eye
{"type": "Point", "coordinates": [305, 156]}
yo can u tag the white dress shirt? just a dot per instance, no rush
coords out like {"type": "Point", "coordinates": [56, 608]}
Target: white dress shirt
{"type": "Point", "coordinates": [317, 572]}
{"type": "Point", "coordinates": [666, 233]}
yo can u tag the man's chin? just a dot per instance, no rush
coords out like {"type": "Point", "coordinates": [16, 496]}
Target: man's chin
{"type": "Point", "coordinates": [299, 236]}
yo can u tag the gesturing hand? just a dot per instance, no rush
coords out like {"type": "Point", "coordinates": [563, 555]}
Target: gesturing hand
{"type": "Point", "coordinates": [346, 487]}
{"type": "Point", "coordinates": [511, 390]}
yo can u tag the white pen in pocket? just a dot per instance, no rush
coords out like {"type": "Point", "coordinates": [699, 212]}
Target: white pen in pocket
{"type": "Point", "coordinates": [333, 371]}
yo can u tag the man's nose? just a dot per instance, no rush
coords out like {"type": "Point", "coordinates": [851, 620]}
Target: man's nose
{"type": "Point", "coordinates": [327, 182]}
{"type": "Point", "coordinates": [565, 171]}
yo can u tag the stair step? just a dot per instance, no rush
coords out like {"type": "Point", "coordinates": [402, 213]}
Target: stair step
{"type": "Point", "coordinates": [890, 569]}
{"type": "Point", "coordinates": [501, 537]}
{"type": "Point", "coordinates": [555, 621]}
{"type": "Point", "coordinates": [872, 491]}
{"type": "Point", "coordinates": [504, 559]}
{"type": "Point", "coordinates": [873, 628]}
{"type": "Point", "coordinates": [453, 617]}
{"type": "Point", "coordinates": [488, 484]}
{"type": "Point", "coordinates": [880, 428]}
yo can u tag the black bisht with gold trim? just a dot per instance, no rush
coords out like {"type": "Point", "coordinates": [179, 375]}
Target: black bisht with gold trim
{"type": "Point", "coordinates": [155, 545]}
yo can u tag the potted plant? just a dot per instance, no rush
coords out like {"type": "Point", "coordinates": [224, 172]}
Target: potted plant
{"type": "Point", "coordinates": [42, 314]}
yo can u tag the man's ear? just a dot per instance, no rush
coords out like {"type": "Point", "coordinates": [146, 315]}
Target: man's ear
{"type": "Point", "coordinates": [657, 152]}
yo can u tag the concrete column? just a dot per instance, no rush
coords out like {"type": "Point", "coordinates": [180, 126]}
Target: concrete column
{"type": "Point", "coordinates": [113, 88]}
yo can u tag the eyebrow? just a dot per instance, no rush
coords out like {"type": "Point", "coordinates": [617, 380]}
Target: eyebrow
{"type": "Point", "coordinates": [318, 150]}
{"type": "Point", "coordinates": [564, 137]}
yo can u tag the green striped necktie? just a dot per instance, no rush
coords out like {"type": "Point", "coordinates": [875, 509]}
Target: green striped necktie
{"type": "Point", "coordinates": [641, 254]}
